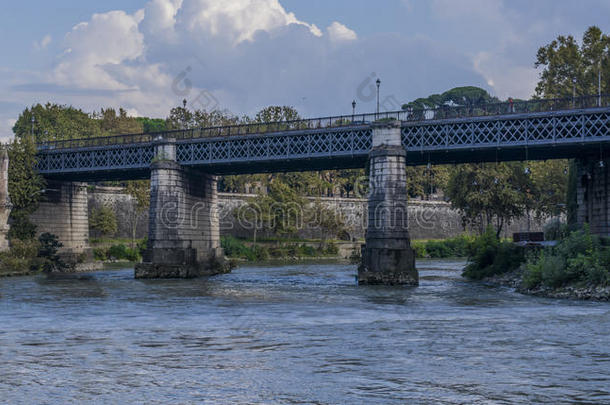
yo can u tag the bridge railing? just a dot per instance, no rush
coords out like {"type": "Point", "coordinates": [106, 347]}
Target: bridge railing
{"type": "Point", "coordinates": [408, 114]}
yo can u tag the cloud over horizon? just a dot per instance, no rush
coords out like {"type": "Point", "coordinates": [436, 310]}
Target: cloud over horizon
{"type": "Point", "coordinates": [243, 55]}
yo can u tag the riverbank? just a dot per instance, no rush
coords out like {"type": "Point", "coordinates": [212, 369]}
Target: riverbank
{"type": "Point", "coordinates": [514, 280]}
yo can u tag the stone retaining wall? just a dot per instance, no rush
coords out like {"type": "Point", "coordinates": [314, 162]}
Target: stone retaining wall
{"type": "Point", "coordinates": [427, 219]}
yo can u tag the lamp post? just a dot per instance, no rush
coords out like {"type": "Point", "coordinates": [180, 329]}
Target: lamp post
{"type": "Point", "coordinates": [378, 82]}
{"type": "Point", "coordinates": [574, 92]}
{"type": "Point", "coordinates": [353, 109]}
{"type": "Point", "coordinates": [599, 84]}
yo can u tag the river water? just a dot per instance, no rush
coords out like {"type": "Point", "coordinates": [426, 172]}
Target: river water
{"type": "Point", "coordinates": [296, 334]}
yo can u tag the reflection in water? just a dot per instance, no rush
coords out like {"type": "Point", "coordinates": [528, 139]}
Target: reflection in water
{"type": "Point", "coordinates": [298, 333]}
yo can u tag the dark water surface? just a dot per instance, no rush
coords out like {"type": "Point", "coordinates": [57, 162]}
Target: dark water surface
{"type": "Point", "coordinates": [295, 334]}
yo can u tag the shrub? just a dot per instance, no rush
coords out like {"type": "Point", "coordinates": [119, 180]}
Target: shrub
{"type": "Point", "coordinates": [331, 249]}
{"type": "Point", "coordinates": [579, 257]}
{"type": "Point", "coordinates": [233, 247]}
{"type": "Point", "coordinates": [21, 226]}
{"type": "Point", "coordinates": [419, 249]}
{"type": "Point", "coordinates": [103, 220]}
{"type": "Point", "coordinates": [438, 249]}
{"type": "Point", "coordinates": [100, 254]}
{"type": "Point", "coordinates": [48, 246]}
{"type": "Point", "coordinates": [122, 252]}
{"type": "Point", "coordinates": [21, 257]}
{"type": "Point", "coordinates": [556, 230]}
{"type": "Point", "coordinates": [142, 245]}
{"type": "Point", "coordinates": [489, 256]}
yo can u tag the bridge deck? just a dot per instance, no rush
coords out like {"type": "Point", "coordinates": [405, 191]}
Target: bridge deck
{"type": "Point", "coordinates": [509, 136]}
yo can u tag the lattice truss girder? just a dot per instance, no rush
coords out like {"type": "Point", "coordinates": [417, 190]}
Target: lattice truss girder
{"type": "Point", "coordinates": [109, 158]}
{"type": "Point", "coordinates": [552, 128]}
{"type": "Point", "coordinates": [477, 133]}
{"type": "Point", "coordinates": [274, 147]}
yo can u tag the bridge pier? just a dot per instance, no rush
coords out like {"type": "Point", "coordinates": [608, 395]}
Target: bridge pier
{"type": "Point", "coordinates": [5, 201]}
{"type": "Point", "coordinates": [63, 213]}
{"type": "Point", "coordinates": [387, 257]}
{"type": "Point", "coordinates": [183, 235]}
{"type": "Point", "coordinates": [593, 195]}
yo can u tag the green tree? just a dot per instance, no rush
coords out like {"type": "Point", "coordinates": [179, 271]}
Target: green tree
{"type": "Point", "coordinates": [276, 113]}
{"type": "Point", "coordinates": [55, 122]}
{"type": "Point", "coordinates": [112, 123]}
{"type": "Point", "coordinates": [103, 220]}
{"type": "Point", "coordinates": [462, 96]}
{"type": "Point", "coordinates": [180, 118]}
{"type": "Point", "coordinates": [329, 221]}
{"type": "Point", "coordinates": [550, 183]}
{"type": "Point", "coordinates": [152, 124]}
{"type": "Point", "coordinates": [139, 190]}
{"type": "Point", "coordinates": [572, 69]}
{"type": "Point", "coordinates": [25, 186]}
{"type": "Point", "coordinates": [489, 194]}
{"type": "Point", "coordinates": [422, 181]}
{"type": "Point", "coordinates": [49, 245]}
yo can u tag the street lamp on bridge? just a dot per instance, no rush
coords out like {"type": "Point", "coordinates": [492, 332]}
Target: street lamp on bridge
{"type": "Point", "coordinates": [378, 84]}
{"type": "Point", "coordinates": [353, 109]}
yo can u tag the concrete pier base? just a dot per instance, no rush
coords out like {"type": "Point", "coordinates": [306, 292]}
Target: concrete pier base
{"type": "Point", "coordinates": [63, 212]}
{"type": "Point", "coordinates": [5, 201]}
{"type": "Point", "coordinates": [387, 257]}
{"type": "Point", "coordinates": [184, 236]}
{"type": "Point", "coordinates": [593, 195]}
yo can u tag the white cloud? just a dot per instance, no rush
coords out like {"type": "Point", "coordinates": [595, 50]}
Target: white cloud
{"type": "Point", "coordinates": [236, 20]}
{"type": "Point", "coordinates": [107, 40]}
{"type": "Point", "coordinates": [339, 32]}
{"type": "Point", "coordinates": [241, 55]}
{"type": "Point", "coordinates": [43, 43]}
{"type": "Point", "coordinates": [499, 32]}
{"type": "Point", "coordinates": [506, 78]}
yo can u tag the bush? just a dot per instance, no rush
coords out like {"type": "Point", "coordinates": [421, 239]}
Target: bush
{"type": "Point", "coordinates": [48, 246]}
{"type": "Point", "coordinates": [419, 249]}
{"type": "Point", "coordinates": [233, 247]}
{"type": "Point", "coordinates": [331, 249]}
{"type": "Point", "coordinates": [438, 249]}
{"type": "Point", "coordinates": [32, 255]}
{"type": "Point", "coordinates": [459, 246]}
{"type": "Point", "coordinates": [103, 220]}
{"type": "Point", "coordinates": [21, 226]}
{"type": "Point", "coordinates": [21, 257]}
{"type": "Point", "coordinates": [100, 254]}
{"type": "Point", "coordinates": [489, 256]}
{"type": "Point", "coordinates": [123, 252]}
{"type": "Point", "coordinates": [556, 230]}
{"type": "Point", "coordinates": [578, 258]}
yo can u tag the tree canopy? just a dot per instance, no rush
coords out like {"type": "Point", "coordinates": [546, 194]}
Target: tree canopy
{"type": "Point", "coordinates": [571, 68]}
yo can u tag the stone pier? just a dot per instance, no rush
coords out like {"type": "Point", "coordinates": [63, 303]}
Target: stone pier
{"type": "Point", "coordinates": [593, 195]}
{"type": "Point", "coordinates": [387, 257]}
{"type": "Point", "coordinates": [63, 212]}
{"type": "Point", "coordinates": [5, 201]}
{"type": "Point", "coordinates": [183, 235]}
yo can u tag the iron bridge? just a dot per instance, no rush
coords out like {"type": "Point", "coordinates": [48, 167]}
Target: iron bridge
{"type": "Point", "coordinates": [566, 128]}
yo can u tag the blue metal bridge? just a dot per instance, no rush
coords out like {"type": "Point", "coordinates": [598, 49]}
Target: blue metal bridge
{"type": "Point", "coordinates": [530, 130]}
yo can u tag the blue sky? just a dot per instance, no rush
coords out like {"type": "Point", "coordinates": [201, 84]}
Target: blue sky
{"type": "Point", "coordinates": [242, 55]}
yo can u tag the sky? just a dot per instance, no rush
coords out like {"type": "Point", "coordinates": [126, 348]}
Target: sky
{"type": "Point", "coordinates": [242, 55]}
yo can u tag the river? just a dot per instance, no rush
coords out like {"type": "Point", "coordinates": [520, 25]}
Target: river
{"type": "Point", "coordinates": [301, 333]}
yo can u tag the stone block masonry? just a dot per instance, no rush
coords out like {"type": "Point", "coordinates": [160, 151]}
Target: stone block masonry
{"type": "Point", "coordinates": [183, 232]}
{"type": "Point", "coordinates": [593, 195]}
{"type": "Point", "coordinates": [5, 201]}
{"type": "Point", "coordinates": [63, 212]}
{"type": "Point", "coordinates": [387, 257]}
